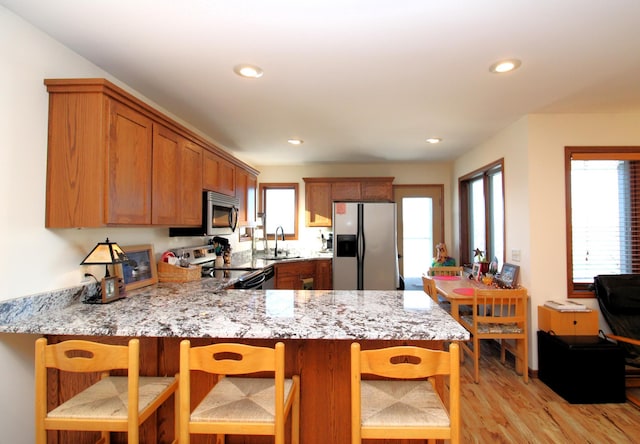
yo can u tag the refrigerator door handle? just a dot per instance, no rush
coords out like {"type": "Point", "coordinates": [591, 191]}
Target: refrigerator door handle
{"type": "Point", "coordinates": [360, 247]}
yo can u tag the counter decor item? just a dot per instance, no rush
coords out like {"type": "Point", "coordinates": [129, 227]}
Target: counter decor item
{"type": "Point", "coordinates": [481, 259]}
{"type": "Point", "coordinates": [175, 273]}
{"type": "Point", "coordinates": [140, 268]}
{"type": "Point", "coordinates": [106, 253]}
{"type": "Point", "coordinates": [508, 277]}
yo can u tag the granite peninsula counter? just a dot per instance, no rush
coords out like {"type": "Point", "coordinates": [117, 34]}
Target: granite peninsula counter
{"type": "Point", "coordinates": [317, 328]}
{"type": "Point", "coordinates": [202, 310]}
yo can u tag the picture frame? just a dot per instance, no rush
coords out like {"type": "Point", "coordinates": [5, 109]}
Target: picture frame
{"type": "Point", "coordinates": [476, 271]}
{"type": "Point", "coordinates": [110, 289]}
{"type": "Point", "coordinates": [508, 277]}
{"type": "Point", "coordinates": [141, 269]}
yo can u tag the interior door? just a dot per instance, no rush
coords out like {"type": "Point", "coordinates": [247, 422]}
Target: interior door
{"type": "Point", "coordinates": [420, 219]}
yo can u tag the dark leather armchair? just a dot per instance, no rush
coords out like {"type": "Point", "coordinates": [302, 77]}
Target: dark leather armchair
{"type": "Point", "coordinates": [619, 300]}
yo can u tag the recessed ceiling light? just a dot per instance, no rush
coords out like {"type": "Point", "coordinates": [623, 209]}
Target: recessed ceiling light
{"type": "Point", "coordinates": [505, 66]}
{"type": "Point", "coordinates": [434, 140]}
{"type": "Point", "coordinates": [295, 141]}
{"type": "Point", "coordinates": [248, 71]}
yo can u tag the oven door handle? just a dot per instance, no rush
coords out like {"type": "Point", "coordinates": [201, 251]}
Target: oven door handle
{"type": "Point", "coordinates": [254, 282]}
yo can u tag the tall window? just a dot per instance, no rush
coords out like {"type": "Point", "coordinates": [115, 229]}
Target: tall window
{"type": "Point", "coordinates": [482, 213]}
{"type": "Point", "coordinates": [603, 224]}
{"type": "Point", "coordinates": [279, 202]}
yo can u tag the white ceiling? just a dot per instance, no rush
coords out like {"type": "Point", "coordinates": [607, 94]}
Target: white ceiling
{"type": "Point", "coordinates": [358, 81]}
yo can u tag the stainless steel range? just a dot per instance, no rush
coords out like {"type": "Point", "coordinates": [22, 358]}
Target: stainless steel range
{"type": "Point", "coordinates": [249, 276]}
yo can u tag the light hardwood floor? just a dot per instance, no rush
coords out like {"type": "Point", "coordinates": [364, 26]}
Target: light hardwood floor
{"type": "Point", "coordinates": [503, 409]}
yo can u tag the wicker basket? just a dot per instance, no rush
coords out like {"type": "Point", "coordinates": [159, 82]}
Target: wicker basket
{"type": "Point", "coordinates": [173, 273]}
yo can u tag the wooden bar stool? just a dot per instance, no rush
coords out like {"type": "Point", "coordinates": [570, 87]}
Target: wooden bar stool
{"type": "Point", "coordinates": [239, 405]}
{"type": "Point", "coordinates": [403, 406]}
{"type": "Point", "coordinates": [113, 404]}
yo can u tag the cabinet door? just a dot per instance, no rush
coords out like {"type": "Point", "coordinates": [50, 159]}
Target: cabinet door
{"type": "Point", "coordinates": [190, 183]}
{"type": "Point", "coordinates": [177, 179]}
{"type": "Point", "coordinates": [76, 160]}
{"type": "Point", "coordinates": [289, 276]}
{"type": "Point", "coordinates": [377, 190]}
{"type": "Point", "coordinates": [210, 167]}
{"type": "Point", "coordinates": [319, 206]}
{"type": "Point", "coordinates": [166, 182]}
{"type": "Point", "coordinates": [246, 192]}
{"type": "Point", "coordinates": [323, 280]}
{"type": "Point", "coordinates": [346, 191]}
{"type": "Point", "coordinates": [227, 178]}
{"type": "Point", "coordinates": [218, 174]}
{"type": "Point", "coordinates": [129, 167]}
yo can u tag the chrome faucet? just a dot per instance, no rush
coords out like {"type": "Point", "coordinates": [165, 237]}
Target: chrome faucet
{"type": "Point", "coordinates": [275, 253]}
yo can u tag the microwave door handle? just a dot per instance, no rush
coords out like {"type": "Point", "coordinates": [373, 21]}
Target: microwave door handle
{"type": "Point", "coordinates": [233, 218]}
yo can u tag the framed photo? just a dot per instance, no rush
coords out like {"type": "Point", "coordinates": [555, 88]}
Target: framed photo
{"type": "Point", "coordinates": [110, 289]}
{"type": "Point", "coordinates": [141, 269]}
{"type": "Point", "coordinates": [509, 276]}
{"type": "Point", "coordinates": [476, 271]}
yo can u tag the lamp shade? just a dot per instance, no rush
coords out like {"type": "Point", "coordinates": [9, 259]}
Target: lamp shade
{"type": "Point", "coordinates": [105, 253]}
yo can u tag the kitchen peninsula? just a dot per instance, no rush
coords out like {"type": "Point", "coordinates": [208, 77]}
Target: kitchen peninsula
{"type": "Point", "coordinates": [317, 328]}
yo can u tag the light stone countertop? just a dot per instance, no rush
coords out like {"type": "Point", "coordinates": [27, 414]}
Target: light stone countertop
{"type": "Point", "coordinates": [203, 309]}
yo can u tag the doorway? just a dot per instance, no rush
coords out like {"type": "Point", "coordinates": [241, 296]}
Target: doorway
{"type": "Point", "coordinates": [420, 226]}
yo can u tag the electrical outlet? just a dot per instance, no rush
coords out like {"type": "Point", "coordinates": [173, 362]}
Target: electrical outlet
{"type": "Point", "coordinates": [515, 255]}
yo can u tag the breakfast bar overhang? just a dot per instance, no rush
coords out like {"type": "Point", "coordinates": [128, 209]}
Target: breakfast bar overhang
{"type": "Point", "coordinates": [317, 328]}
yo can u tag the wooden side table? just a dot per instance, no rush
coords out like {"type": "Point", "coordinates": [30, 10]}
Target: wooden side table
{"type": "Point", "coordinates": [568, 322]}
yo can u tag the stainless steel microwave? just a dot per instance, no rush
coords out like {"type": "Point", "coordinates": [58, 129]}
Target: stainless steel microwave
{"type": "Point", "coordinates": [219, 216]}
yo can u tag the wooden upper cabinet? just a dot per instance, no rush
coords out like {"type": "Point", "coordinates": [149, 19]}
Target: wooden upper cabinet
{"type": "Point", "coordinates": [76, 161]}
{"type": "Point", "coordinates": [98, 162]}
{"type": "Point", "coordinates": [218, 174]}
{"type": "Point", "coordinates": [177, 179]}
{"type": "Point", "coordinates": [348, 190]}
{"type": "Point", "coordinates": [318, 204]}
{"type": "Point", "coordinates": [246, 191]}
{"type": "Point", "coordinates": [377, 190]}
{"type": "Point", "coordinates": [321, 192]}
{"type": "Point", "coordinates": [114, 160]}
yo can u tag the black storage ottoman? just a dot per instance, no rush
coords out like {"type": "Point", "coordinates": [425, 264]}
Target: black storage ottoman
{"type": "Point", "coordinates": [582, 369]}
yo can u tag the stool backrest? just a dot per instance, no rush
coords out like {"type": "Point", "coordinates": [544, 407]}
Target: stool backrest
{"type": "Point", "coordinates": [445, 271]}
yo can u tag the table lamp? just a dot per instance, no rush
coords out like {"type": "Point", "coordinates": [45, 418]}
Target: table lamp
{"type": "Point", "coordinates": [107, 253]}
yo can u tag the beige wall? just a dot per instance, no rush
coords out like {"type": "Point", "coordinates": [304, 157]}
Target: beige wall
{"type": "Point", "coordinates": [533, 149]}
{"type": "Point", "coordinates": [548, 135]}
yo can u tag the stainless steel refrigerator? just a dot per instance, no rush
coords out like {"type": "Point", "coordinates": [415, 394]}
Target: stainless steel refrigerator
{"type": "Point", "coordinates": [365, 254]}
